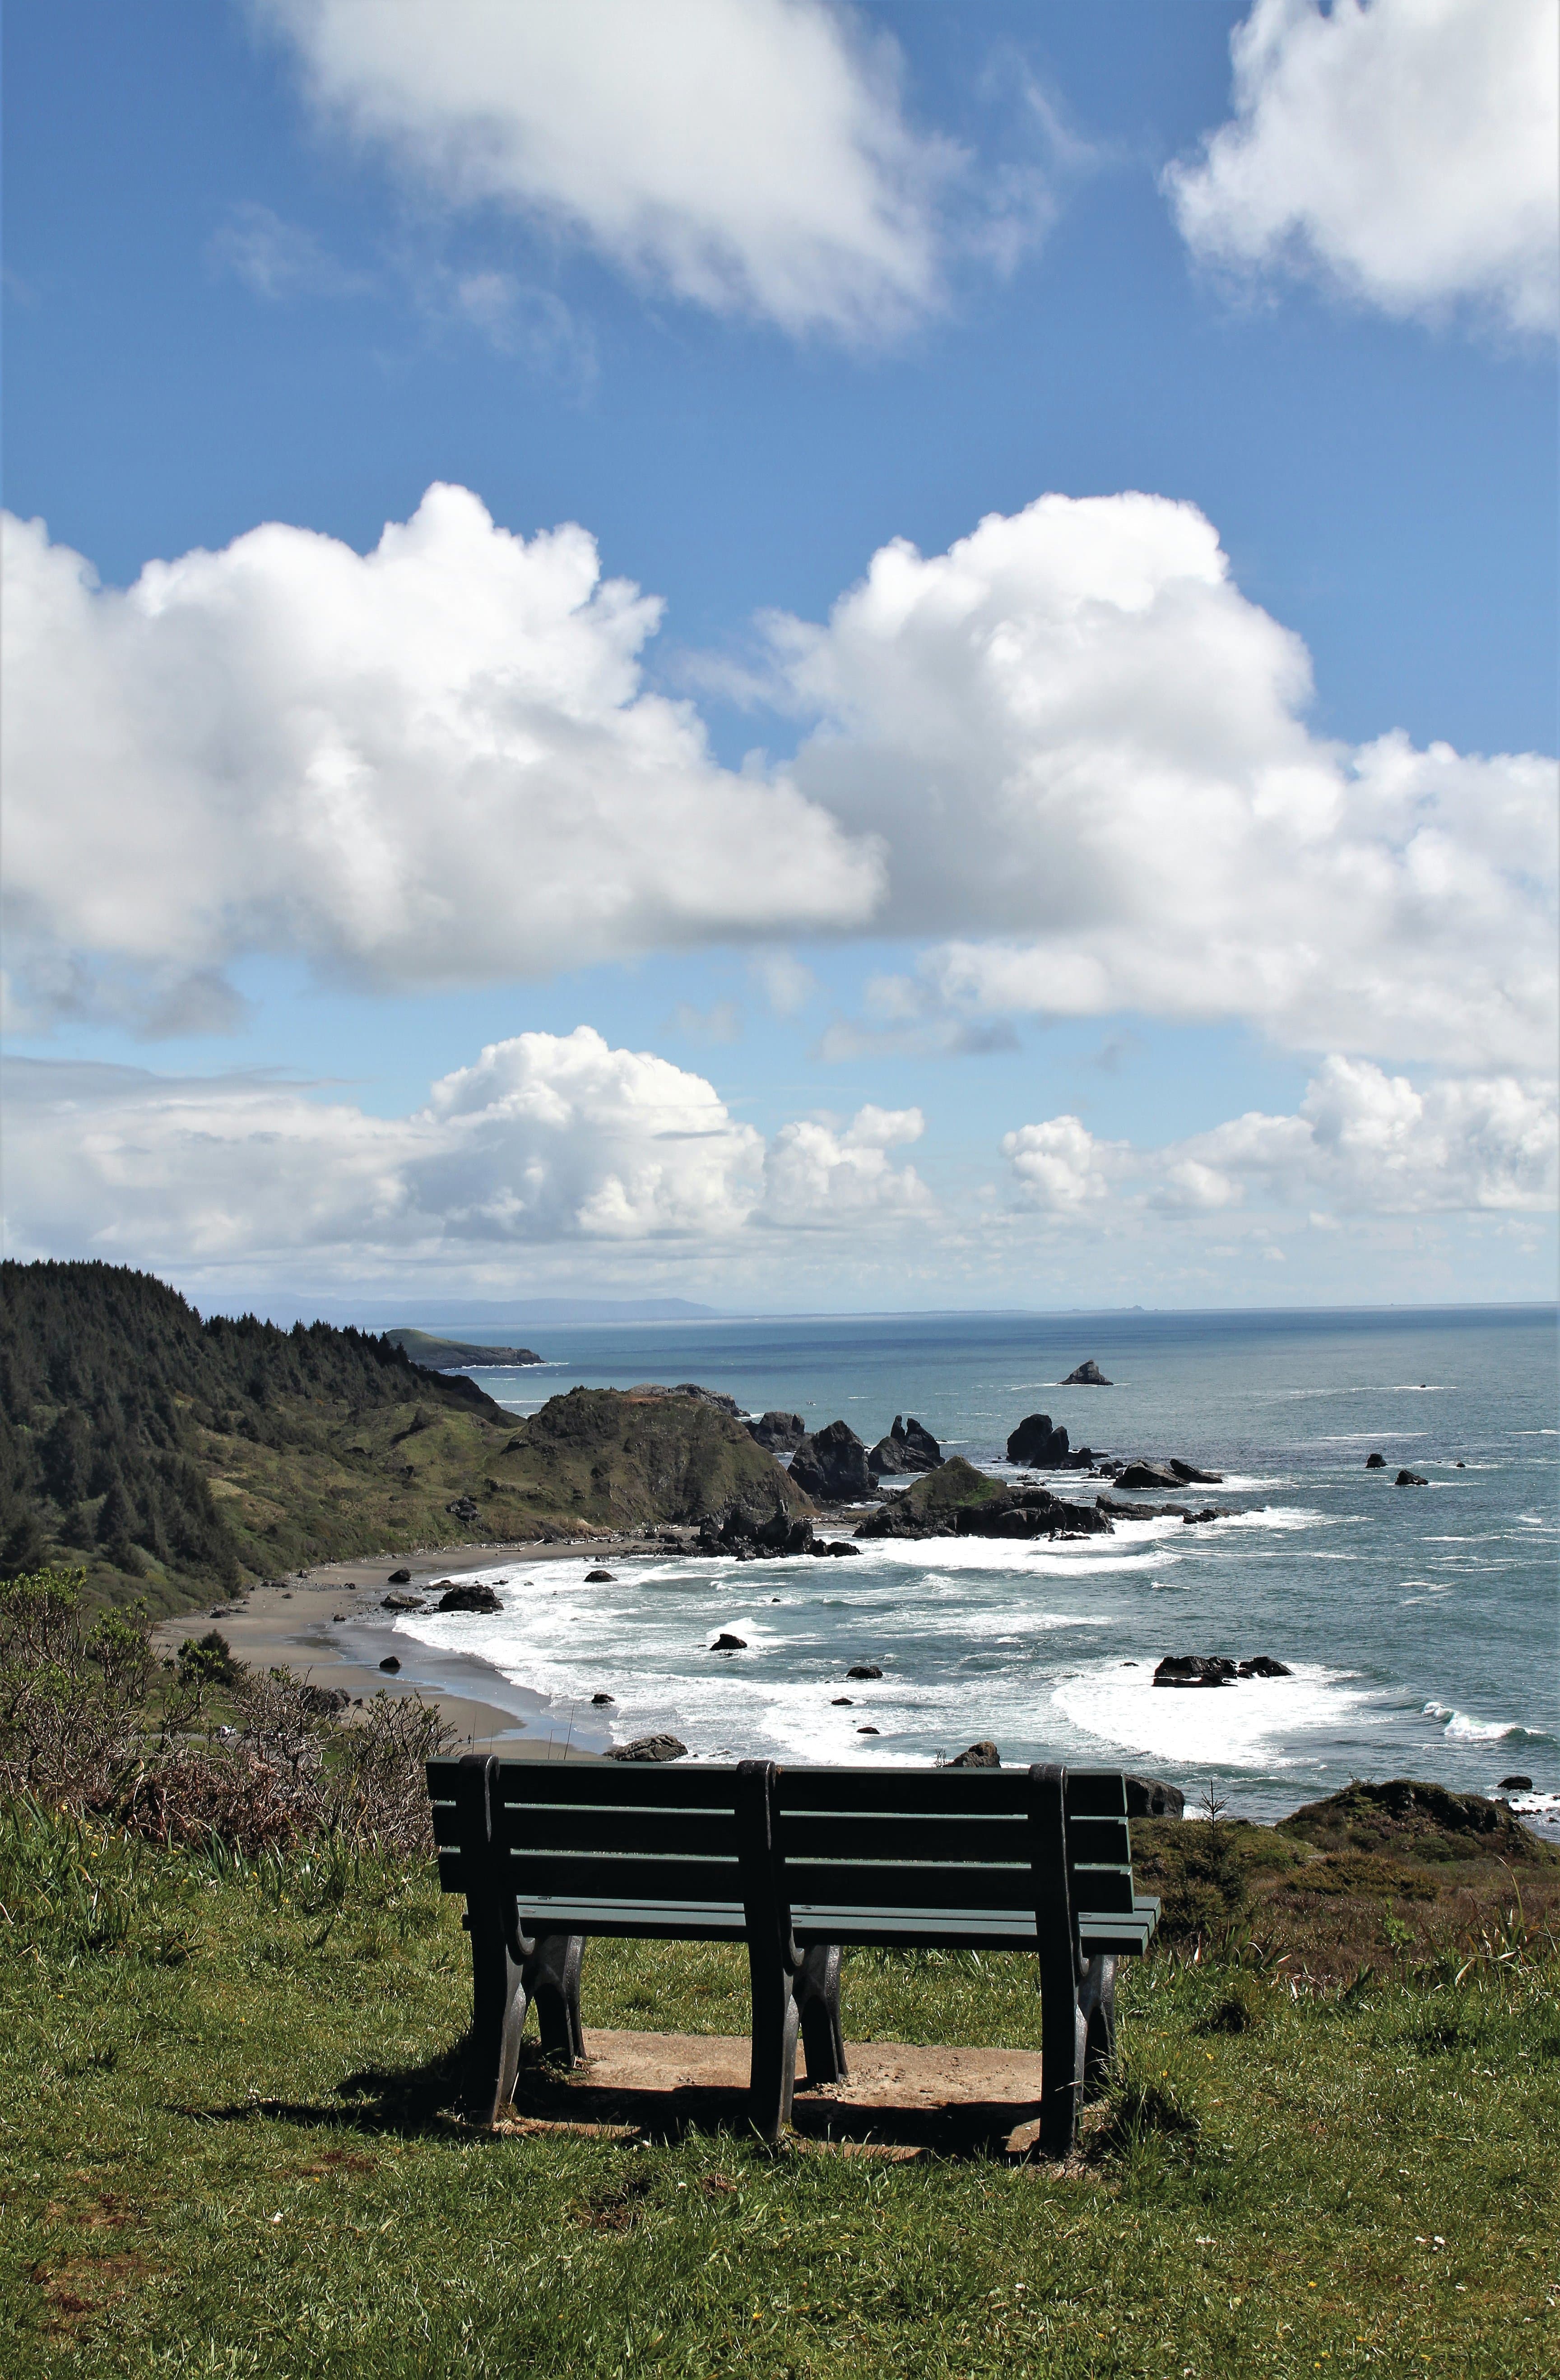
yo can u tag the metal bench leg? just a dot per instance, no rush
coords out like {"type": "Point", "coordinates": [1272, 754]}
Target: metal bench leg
{"type": "Point", "coordinates": [498, 2015]}
{"type": "Point", "coordinates": [1096, 2000]}
{"type": "Point", "coordinates": [817, 1992]}
{"type": "Point", "coordinates": [773, 2075]}
{"type": "Point", "coordinates": [551, 1978]}
{"type": "Point", "coordinates": [1063, 2045]}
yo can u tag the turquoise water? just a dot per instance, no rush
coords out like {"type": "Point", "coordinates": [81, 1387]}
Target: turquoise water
{"type": "Point", "coordinates": [1420, 1623]}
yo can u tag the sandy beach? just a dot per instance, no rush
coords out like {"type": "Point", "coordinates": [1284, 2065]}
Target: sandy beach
{"type": "Point", "coordinates": [329, 1624]}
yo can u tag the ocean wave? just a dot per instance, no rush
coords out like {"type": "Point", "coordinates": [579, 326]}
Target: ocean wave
{"type": "Point", "coordinates": [1463, 1729]}
{"type": "Point", "coordinates": [1249, 1725]}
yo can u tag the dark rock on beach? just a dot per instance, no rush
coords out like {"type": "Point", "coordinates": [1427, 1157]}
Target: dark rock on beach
{"type": "Point", "coordinates": [1088, 1376]}
{"type": "Point", "coordinates": [649, 1747]}
{"type": "Point", "coordinates": [1149, 1797]}
{"type": "Point", "coordinates": [399, 1578]}
{"type": "Point", "coordinates": [977, 1756]}
{"type": "Point", "coordinates": [390, 1662]}
{"type": "Point", "coordinates": [781, 1433]}
{"type": "Point", "coordinates": [402, 1603]}
{"type": "Point", "coordinates": [473, 1596]}
{"type": "Point", "coordinates": [1038, 1440]}
{"type": "Point", "coordinates": [908, 1447]}
{"type": "Point", "coordinates": [832, 1464]}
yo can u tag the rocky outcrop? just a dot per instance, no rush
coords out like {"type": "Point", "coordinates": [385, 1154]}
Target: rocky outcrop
{"type": "Point", "coordinates": [1213, 1670]}
{"type": "Point", "coordinates": [863, 1670]}
{"type": "Point", "coordinates": [1375, 1462]}
{"type": "Point", "coordinates": [715, 1398]}
{"type": "Point", "coordinates": [1149, 1797]}
{"type": "Point", "coordinates": [832, 1466]}
{"type": "Point", "coordinates": [1410, 1479]}
{"type": "Point", "coordinates": [1031, 1513]}
{"type": "Point", "coordinates": [725, 1643]}
{"type": "Point", "coordinates": [977, 1756]}
{"type": "Point", "coordinates": [1038, 1440]}
{"type": "Point", "coordinates": [908, 1447]}
{"type": "Point", "coordinates": [471, 1596]}
{"type": "Point", "coordinates": [649, 1747]}
{"type": "Point", "coordinates": [601, 1578]}
{"type": "Point", "coordinates": [399, 1578]}
{"type": "Point", "coordinates": [1088, 1376]}
{"type": "Point", "coordinates": [899, 1518]}
{"type": "Point", "coordinates": [466, 1509]}
{"type": "Point", "coordinates": [1406, 1815]}
{"type": "Point", "coordinates": [781, 1433]}
{"type": "Point", "coordinates": [1118, 1509]}
{"type": "Point", "coordinates": [1515, 1785]}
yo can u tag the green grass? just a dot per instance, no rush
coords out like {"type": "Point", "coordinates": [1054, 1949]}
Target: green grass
{"type": "Point", "coordinates": [225, 2148]}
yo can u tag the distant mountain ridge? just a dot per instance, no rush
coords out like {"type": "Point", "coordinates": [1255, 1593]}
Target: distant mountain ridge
{"type": "Point", "coordinates": [504, 1314]}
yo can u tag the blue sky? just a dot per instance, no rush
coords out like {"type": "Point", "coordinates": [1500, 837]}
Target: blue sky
{"type": "Point", "coordinates": [845, 279]}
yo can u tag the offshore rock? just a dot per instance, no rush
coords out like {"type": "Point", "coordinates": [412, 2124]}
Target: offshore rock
{"type": "Point", "coordinates": [908, 1447]}
{"type": "Point", "coordinates": [1410, 1479]}
{"type": "Point", "coordinates": [1375, 1462]}
{"type": "Point", "coordinates": [832, 1463]}
{"type": "Point", "coordinates": [1189, 1475]}
{"type": "Point", "coordinates": [1031, 1513]}
{"type": "Point", "coordinates": [1149, 1797]}
{"type": "Point", "coordinates": [649, 1747]}
{"type": "Point", "coordinates": [1194, 1669]}
{"type": "Point", "coordinates": [1088, 1376]}
{"type": "Point", "coordinates": [1038, 1440]}
{"type": "Point", "coordinates": [1264, 1666]}
{"type": "Point", "coordinates": [725, 1643]}
{"type": "Point", "coordinates": [781, 1433]}
{"type": "Point", "coordinates": [977, 1756]}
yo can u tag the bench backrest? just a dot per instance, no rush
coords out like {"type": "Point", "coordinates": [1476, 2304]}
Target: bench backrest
{"type": "Point", "coordinates": [863, 1854]}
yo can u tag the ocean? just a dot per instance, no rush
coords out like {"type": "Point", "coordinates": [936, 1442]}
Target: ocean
{"type": "Point", "coordinates": [1419, 1624]}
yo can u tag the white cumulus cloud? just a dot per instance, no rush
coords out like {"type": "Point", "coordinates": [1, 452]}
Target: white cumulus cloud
{"type": "Point", "coordinates": [432, 763]}
{"type": "Point", "coordinates": [1408, 151]}
{"type": "Point", "coordinates": [1362, 1142]}
{"type": "Point", "coordinates": [1083, 745]}
{"type": "Point", "coordinates": [747, 156]}
{"type": "Point", "coordinates": [545, 1140]}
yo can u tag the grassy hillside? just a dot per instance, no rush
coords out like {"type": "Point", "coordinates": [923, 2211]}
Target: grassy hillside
{"type": "Point", "coordinates": [227, 2147]}
{"type": "Point", "coordinates": [173, 1456]}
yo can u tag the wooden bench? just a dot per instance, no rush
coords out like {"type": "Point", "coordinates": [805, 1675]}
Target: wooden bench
{"type": "Point", "coordinates": [798, 1864]}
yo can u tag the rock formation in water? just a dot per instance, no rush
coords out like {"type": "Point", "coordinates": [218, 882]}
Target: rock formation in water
{"type": "Point", "coordinates": [832, 1464]}
{"type": "Point", "coordinates": [1040, 1441]}
{"type": "Point", "coordinates": [908, 1447]}
{"type": "Point", "coordinates": [782, 1433]}
{"type": "Point", "coordinates": [1088, 1376]}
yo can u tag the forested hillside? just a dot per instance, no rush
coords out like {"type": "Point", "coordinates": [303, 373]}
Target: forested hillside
{"type": "Point", "coordinates": [122, 1413]}
{"type": "Point", "coordinates": [172, 1456]}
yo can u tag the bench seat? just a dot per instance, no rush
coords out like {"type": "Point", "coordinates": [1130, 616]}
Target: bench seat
{"type": "Point", "coordinates": [798, 1864]}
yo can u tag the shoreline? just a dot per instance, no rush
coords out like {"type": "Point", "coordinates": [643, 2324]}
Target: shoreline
{"type": "Point", "coordinates": [328, 1626]}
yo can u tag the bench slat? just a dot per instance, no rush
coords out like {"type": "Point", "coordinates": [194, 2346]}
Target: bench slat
{"type": "Point", "coordinates": [984, 1793]}
{"type": "Point", "coordinates": [895, 1884]}
{"type": "Point", "coordinates": [600, 1876]}
{"type": "Point", "coordinates": [683, 1833]}
{"type": "Point", "coordinates": [869, 1836]}
{"type": "Point", "coordinates": [676, 1921]}
{"type": "Point", "coordinates": [1099, 1842]}
{"type": "Point", "coordinates": [614, 1784]}
{"type": "Point", "coordinates": [1098, 1888]}
{"type": "Point", "coordinates": [1096, 1794]}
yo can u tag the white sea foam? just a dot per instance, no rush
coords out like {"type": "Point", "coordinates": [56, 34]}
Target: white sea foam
{"type": "Point", "coordinates": [1461, 1727]}
{"type": "Point", "coordinates": [1243, 1726]}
